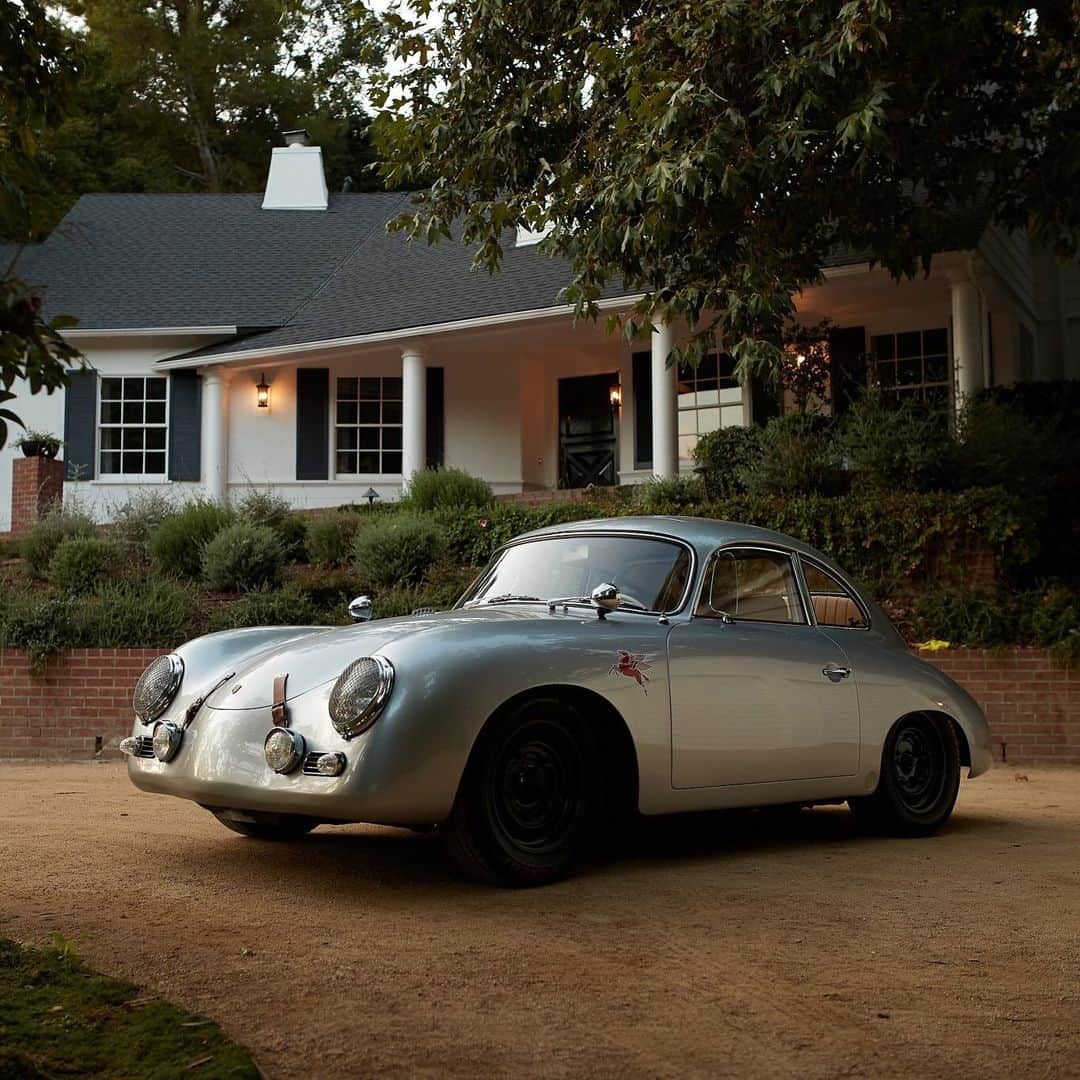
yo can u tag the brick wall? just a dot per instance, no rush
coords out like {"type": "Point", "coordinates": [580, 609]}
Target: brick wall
{"type": "Point", "coordinates": [1033, 707]}
{"type": "Point", "coordinates": [35, 483]}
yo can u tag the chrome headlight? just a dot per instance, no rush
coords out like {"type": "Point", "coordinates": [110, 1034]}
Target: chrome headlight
{"type": "Point", "coordinates": [360, 694]}
{"type": "Point", "coordinates": [157, 686]}
{"type": "Point", "coordinates": [284, 749]}
{"type": "Point", "coordinates": [167, 740]}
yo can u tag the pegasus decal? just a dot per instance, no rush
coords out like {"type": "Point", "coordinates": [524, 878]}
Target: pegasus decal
{"type": "Point", "coordinates": [633, 666]}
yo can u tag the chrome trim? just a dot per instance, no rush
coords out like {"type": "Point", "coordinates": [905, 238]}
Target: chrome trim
{"type": "Point", "coordinates": [772, 549]}
{"type": "Point", "coordinates": [637, 534]}
{"type": "Point", "coordinates": [164, 700]}
{"type": "Point", "coordinates": [362, 721]}
{"type": "Point", "coordinates": [844, 581]}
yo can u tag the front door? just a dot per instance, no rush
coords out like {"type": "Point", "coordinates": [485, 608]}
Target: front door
{"type": "Point", "coordinates": [587, 431]}
{"type": "Point", "coordinates": [758, 694]}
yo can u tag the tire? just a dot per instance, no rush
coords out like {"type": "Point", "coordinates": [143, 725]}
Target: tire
{"type": "Point", "coordinates": [524, 809]}
{"type": "Point", "coordinates": [264, 826]}
{"type": "Point", "coordinates": [920, 778]}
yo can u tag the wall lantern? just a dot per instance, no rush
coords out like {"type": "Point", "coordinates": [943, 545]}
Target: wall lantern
{"type": "Point", "coordinates": [615, 396]}
{"type": "Point", "coordinates": [262, 393]}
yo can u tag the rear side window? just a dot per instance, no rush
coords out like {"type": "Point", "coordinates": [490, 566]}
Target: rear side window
{"type": "Point", "coordinates": [833, 602]}
{"type": "Point", "coordinates": [753, 585]}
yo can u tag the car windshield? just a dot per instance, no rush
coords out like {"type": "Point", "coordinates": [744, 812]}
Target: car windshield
{"type": "Point", "coordinates": [649, 574]}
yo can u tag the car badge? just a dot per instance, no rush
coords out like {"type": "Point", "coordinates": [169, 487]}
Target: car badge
{"type": "Point", "coordinates": [237, 688]}
{"type": "Point", "coordinates": [633, 666]}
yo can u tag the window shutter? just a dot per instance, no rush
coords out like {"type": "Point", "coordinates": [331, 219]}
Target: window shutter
{"type": "Point", "coordinates": [312, 423]}
{"type": "Point", "coordinates": [185, 425]}
{"type": "Point", "coordinates": [80, 425]}
{"type": "Point", "coordinates": [436, 423]}
{"type": "Point", "coordinates": [643, 410]}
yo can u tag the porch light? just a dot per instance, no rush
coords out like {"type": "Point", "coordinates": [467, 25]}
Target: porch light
{"type": "Point", "coordinates": [615, 396]}
{"type": "Point", "coordinates": [262, 392]}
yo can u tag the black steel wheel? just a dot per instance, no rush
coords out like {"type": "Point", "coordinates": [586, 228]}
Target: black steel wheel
{"type": "Point", "coordinates": [920, 779]}
{"type": "Point", "coordinates": [524, 807]}
{"type": "Point", "coordinates": [265, 826]}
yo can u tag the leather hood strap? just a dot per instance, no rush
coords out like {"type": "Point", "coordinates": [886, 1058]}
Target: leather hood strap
{"type": "Point", "coordinates": [278, 710]}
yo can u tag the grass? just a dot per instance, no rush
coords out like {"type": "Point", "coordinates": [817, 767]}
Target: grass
{"type": "Point", "coordinates": [58, 1018]}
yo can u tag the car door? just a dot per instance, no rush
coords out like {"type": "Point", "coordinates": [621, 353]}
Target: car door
{"type": "Point", "coordinates": [758, 692]}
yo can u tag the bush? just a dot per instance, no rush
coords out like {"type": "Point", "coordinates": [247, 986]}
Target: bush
{"type": "Point", "coordinates": [679, 496]}
{"type": "Point", "coordinates": [137, 518]}
{"type": "Point", "coordinates": [895, 446]}
{"type": "Point", "coordinates": [242, 556]}
{"type": "Point", "coordinates": [798, 456]}
{"type": "Point", "coordinates": [329, 536]}
{"type": "Point", "coordinates": [266, 508]}
{"type": "Point", "coordinates": [397, 550]}
{"type": "Point", "coordinates": [723, 456]}
{"type": "Point", "coordinates": [79, 562]}
{"type": "Point", "coordinates": [48, 533]}
{"type": "Point", "coordinates": [176, 545]}
{"type": "Point", "coordinates": [447, 489]}
{"type": "Point", "coordinates": [999, 445]}
{"type": "Point", "coordinates": [287, 606]}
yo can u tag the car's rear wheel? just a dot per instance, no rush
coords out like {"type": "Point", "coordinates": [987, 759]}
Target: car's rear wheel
{"type": "Point", "coordinates": [920, 778]}
{"type": "Point", "coordinates": [524, 808]}
{"type": "Point", "coordinates": [264, 826]}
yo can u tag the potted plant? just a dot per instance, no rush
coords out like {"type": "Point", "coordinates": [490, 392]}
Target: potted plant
{"type": "Point", "coordinates": [39, 444]}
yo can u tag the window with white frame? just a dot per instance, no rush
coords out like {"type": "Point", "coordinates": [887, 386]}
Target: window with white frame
{"type": "Point", "coordinates": [367, 430]}
{"type": "Point", "coordinates": [913, 365]}
{"type": "Point", "coordinates": [709, 398]}
{"type": "Point", "coordinates": [133, 425]}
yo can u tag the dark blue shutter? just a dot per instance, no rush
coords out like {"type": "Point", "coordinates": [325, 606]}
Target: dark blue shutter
{"type": "Point", "coordinates": [185, 425]}
{"type": "Point", "coordinates": [436, 423]}
{"type": "Point", "coordinates": [312, 423]}
{"type": "Point", "coordinates": [643, 410]}
{"type": "Point", "coordinates": [80, 425]}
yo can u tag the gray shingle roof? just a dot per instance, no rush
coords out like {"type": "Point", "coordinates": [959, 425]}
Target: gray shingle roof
{"type": "Point", "coordinates": [128, 261]}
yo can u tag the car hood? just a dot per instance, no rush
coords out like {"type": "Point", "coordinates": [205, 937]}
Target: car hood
{"type": "Point", "coordinates": [319, 656]}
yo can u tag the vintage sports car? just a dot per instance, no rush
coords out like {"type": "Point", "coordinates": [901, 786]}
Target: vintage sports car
{"type": "Point", "coordinates": [593, 671]}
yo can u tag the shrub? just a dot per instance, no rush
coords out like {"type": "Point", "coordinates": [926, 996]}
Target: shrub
{"type": "Point", "coordinates": [679, 496]}
{"type": "Point", "coordinates": [176, 545]}
{"type": "Point", "coordinates": [447, 489]}
{"type": "Point", "coordinates": [398, 549]}
{"type": "Point", "coordinates": [894, 446]}
{"type": "Point", "coordinates": [329, 536]}
{"type": "Point", "coordinates": [722, 458]}
{"type": "Point", "coordinates": [265, 606]}
{"type": "Point", "coordinates": [49, 532]}
{"type": "Point", "coordinates": [242, 556]}
{"type": "Point", "coordinates": [1000, 445]}
{"type": "Point", "coordinates": [266, 508]}
{"type": "Point", "coordinates": [36, 622]}
{"type": "Point", "coordinates": [137, 518]}
{"type": "Point", "coordinates": [797, 456]}
{"type": "Point", "coordinates": [136, 612]}
{"type": "Point", "coordinates": [79, 562]}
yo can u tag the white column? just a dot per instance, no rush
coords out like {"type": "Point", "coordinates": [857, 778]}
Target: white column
{"type": "Point", "coordinates": [665, 406]}
{"type": "Point", "coordinates": [414, 413]}
{"type": "Point", "coordinates": [967, 338]}
{"type": "Point", "coordinates": [215, 434]}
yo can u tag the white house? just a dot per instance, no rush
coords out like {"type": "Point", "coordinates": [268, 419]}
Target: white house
{"type": "Point", "coordinates": [377, 357]}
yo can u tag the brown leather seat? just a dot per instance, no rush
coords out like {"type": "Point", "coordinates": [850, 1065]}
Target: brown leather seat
{"type": "Point", "coordinates": [836, 611]}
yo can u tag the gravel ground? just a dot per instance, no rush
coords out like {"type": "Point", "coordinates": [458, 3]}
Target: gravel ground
{"type": "Point", "coordinates": [722, 945]}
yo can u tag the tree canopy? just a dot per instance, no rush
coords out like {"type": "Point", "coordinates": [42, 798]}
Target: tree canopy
{"type": "Point", "coordinates": [711, 155]}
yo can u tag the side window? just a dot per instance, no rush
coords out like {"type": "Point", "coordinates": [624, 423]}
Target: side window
{"type": "Point", "coordinates": [754, 585]}
{"type": "Point", "coordinates": [833, 603]}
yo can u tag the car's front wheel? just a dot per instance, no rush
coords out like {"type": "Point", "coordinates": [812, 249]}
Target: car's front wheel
{"type": "Point", "coordinates": [523, 811]}
{"type": "Point", "coordinates": [264, 826]}
{"type": "Point", "coordinates": [920, 778]}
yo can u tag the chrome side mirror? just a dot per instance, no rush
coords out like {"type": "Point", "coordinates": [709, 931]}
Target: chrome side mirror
{"type": "Point", "coordinates": [360, 609]}
{"type": "Point", "coordinates": [605, 597]}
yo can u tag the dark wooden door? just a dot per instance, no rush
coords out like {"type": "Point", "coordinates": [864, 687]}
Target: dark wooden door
{"type": "Point", "coordinates": [586, 431]}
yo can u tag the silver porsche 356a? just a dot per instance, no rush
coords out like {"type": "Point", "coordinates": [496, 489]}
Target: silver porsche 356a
{"type": "Point", "coordinates": [592, 672]}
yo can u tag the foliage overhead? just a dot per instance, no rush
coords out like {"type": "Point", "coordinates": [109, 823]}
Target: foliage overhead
{"type": "Point", "coordinates": [711, 156]}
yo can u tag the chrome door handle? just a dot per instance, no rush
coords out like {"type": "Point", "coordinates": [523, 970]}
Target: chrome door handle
{"type": "Point", "coordinates": [834, 672]}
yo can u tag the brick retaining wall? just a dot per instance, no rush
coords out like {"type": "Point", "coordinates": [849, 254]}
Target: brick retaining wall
{"type": "Point", "coordinates": [81, 705]}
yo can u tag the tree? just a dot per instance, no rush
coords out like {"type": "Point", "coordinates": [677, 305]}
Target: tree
{"type": "Point", "coordinates": [196, 91]}
{"type": "Point", "coordinates": [35, 70]}
{"type": "Point", "coordinates": [712, 154]}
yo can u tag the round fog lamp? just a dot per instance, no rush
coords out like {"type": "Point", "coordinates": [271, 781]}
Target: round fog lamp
{"type": "Point", "coordinates": [284, 749]}
{"type": "Point", "coordinates": [330, 764]}
{"type": "Point", "coordinates": [167, 738]}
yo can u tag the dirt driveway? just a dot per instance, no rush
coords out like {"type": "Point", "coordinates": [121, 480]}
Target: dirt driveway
{"type": "Point", "coordinates": [724, 945]}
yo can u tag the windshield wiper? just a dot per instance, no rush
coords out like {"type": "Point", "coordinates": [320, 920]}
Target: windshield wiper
{"type": "Point", "coordinates": [506, 598]}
